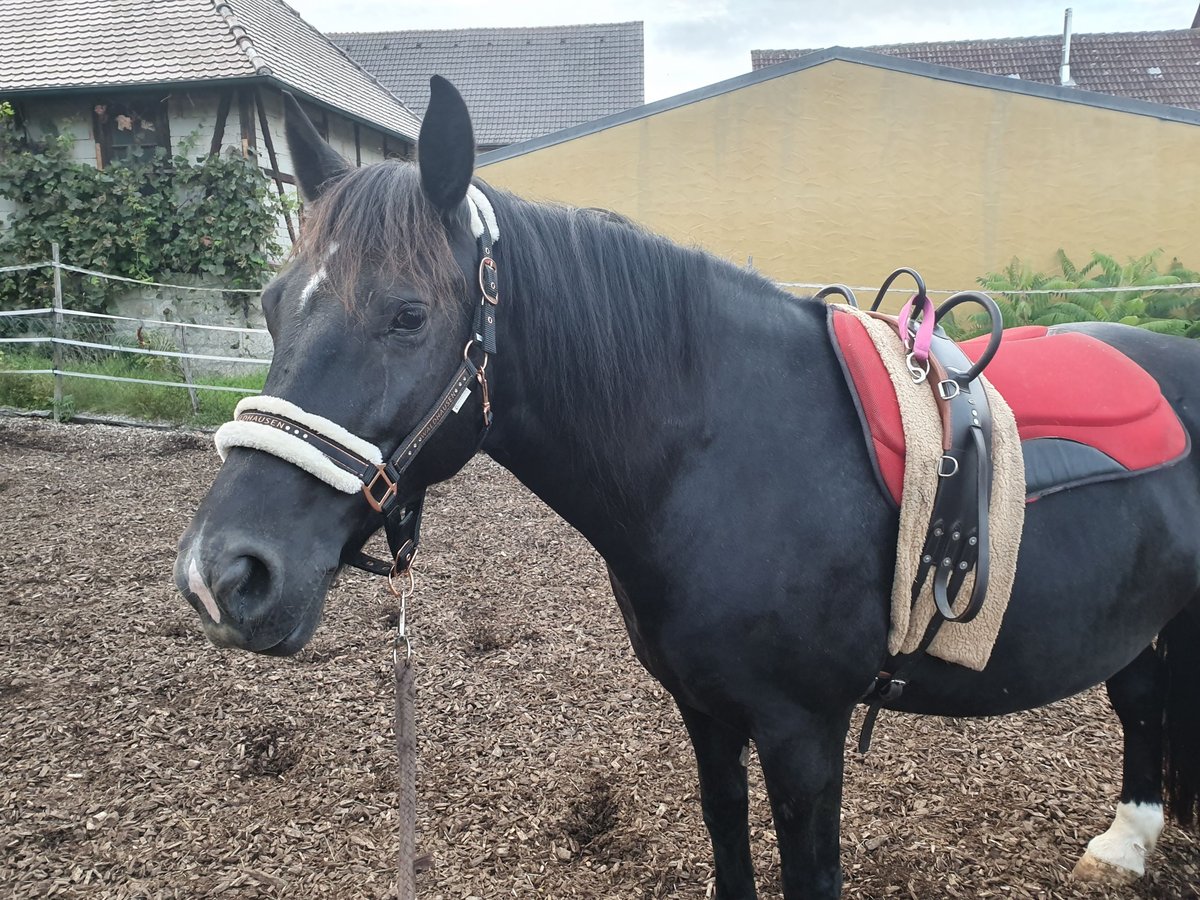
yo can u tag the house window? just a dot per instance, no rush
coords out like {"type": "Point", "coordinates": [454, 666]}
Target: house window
{"type": "Point", "coordinates": [130, 128]}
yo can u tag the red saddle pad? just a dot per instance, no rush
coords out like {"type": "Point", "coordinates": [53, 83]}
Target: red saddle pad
{"type": "Point", "coordinates": [1085, 411]}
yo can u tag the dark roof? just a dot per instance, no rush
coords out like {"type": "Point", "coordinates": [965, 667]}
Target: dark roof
{"type": "Point", "coordinates": [858, 57]}
{"type": "Point", "coordinates": [518, 82]}
{"type": "Point", "coordinates": [55, 45]}
{"type": "Point", "coordinates": [1156, 66]}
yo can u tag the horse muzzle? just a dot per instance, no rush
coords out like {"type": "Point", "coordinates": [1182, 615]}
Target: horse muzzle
{"type": "Point", "coordinates": [239, 589]}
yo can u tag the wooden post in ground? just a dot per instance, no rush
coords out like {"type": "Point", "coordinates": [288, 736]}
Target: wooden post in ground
{"type": "Point", "coordinates": [186, 365]}
{"type": "Point", "coordinates": [58, 333]}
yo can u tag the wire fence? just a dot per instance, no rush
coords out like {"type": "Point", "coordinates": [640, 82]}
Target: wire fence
{"type": "Point", "coordinates": [140, 363]}
{"type": "Point", "coordinates": [56, 344]}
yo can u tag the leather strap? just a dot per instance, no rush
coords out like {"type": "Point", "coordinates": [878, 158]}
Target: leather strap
{"type": "Point", "coordinates": [402, 524]}
{"type": "Point", "coordinates": [957, 540]}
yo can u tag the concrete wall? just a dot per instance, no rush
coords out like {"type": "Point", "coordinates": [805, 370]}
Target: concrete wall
{"type": "Point", "coordinates": [198, 307]}
{"type": "Point", "coordinates": [844, 171]}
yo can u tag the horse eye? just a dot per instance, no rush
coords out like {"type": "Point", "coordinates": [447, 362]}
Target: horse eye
{"type": "Point", "coordinates": [410, 318]}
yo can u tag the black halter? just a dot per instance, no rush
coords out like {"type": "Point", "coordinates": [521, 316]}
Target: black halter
{"type": "Point", "coordinates": [402, 522]}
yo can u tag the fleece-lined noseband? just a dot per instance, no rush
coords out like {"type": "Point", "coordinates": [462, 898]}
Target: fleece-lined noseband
{"type": "Point", "coordinates": [350, 464]}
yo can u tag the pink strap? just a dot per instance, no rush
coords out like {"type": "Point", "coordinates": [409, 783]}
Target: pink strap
{"type": "Point", "coordinates": [919, 345]}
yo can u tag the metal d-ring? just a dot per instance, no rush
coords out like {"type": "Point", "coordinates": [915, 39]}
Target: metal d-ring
{"type": "Point", "coordinates": [942, 473]}
{"type": "Point", "coordinates": [949, 389]}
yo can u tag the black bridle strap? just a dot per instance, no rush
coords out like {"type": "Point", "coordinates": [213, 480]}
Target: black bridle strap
{"type": "Point", "coordinates": [287, 431]}
{"type": "Point", "coordinates": [389, 473]}
{"type": "Point", "coordinates": [338, 454]}
{"type": "Point", "coordinates": [402, 524]}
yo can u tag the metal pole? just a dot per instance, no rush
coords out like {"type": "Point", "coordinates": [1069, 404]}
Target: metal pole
{"type": "Point", "coordinates": [58, 333]}
{"type": "Point", "coordinates": [186, 365]}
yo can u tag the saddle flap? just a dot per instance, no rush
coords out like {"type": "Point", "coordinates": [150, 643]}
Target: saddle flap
{"type": "Point", "coordinates": [1083, 408]}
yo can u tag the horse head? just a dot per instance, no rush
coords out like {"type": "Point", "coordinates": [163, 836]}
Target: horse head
{"type": "Point", "coordinates": [369, 319]}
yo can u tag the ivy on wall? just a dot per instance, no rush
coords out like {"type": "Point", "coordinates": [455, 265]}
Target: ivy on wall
{"type": "Point", "coordinates": [146, 217]}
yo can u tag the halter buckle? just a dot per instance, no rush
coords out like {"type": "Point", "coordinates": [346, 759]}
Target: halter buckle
{"type": "Point", "coordinates": [491, 295]}
{"type": "Point", "coordinates": [389, 491]}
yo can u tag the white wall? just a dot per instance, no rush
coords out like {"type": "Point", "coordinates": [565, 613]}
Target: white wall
{"type": "Point", "coordinates": [192, 122]}
{"type": "Point", "coordinates": [51, 116]}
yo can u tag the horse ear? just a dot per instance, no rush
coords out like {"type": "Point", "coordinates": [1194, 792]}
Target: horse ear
{"type": "Point", "coordinates": [315, 163]}
{"type": "Point", "coordinates": [446, 147]}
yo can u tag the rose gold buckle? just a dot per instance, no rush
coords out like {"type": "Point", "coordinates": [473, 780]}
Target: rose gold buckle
{"type": "Point", "coordinates": [389, 491]}
{"type": "Point", "coordinates": [488, 263]}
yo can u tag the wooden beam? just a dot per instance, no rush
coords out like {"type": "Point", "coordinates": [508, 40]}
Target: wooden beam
{"type": "Point", "coordinates": [246, 117]}
{"type": "Point", "coordinates": [357, 148]}
{"type": "Point", "coordinates": [164, 125]}
{"type": "Point", "coordinates": [219, 128]}
{"type": "Point", "coordinates": [266, 132]}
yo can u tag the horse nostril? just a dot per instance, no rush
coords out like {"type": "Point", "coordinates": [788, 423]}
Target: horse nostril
{"type": "Point", "coordinates": [245, 578]}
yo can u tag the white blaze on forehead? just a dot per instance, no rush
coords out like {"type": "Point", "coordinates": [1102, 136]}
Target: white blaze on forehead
{"type": "Point", "coordinates": [197, 586]}
{"type": "Point", "coordinates": [1134, 832]}
{"type": "Point", "coordinates": [315, 282]}
{"type": "Point", "coordinates": [311, 287]}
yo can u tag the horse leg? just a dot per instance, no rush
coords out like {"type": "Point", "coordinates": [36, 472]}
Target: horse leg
{"type": "Point", "coordinates": [723, 797]}
{"type": "Point", "coordinates": [801, 758]}
{"type": "Point", "coordinates": [1137, 694]}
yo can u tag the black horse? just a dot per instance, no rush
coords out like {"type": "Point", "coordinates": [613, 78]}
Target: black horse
{"type": "Point", "coordinates": [692, 422]}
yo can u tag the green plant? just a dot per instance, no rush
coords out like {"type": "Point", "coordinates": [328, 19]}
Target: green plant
{"type": "Point", "coordinates": [64, 409]}
{"type": "Point", "coordinates": [124, 399]}
{"type": "Point", "coordinates": [1086, 294]}
{"type": "Point", "coordinates": [206, 215]}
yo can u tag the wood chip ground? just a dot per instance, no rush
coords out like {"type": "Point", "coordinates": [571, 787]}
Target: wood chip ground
{"type": "Point", "coordinates": [138, 761]}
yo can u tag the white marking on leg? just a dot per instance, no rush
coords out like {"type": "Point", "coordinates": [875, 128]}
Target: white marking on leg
{"type": "Point", "coordinates": [1133, 834]}
{"type": "Point", "coordinates": [197, 586]}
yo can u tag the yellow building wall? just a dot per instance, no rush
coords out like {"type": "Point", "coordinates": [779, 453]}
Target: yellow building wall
{"type": "Point", "coordinates": [845, 171]}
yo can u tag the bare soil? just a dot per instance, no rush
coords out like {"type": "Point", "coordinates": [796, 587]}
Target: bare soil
{"type": "Point", "coordinates": [136, 760]}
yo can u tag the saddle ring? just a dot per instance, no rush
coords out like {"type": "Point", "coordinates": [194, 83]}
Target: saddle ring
{"type": "Point", "coordinates": [918, 372]}
{"type": "Point", "coordinates": [948, 389]}
{"type": "Point", "coordinates": [942, 473]}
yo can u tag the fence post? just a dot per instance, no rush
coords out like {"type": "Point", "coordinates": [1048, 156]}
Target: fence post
{"type": "Point", "coordinates": [58, 334]}
{"type": "Point", "coordinates": [186, 366]}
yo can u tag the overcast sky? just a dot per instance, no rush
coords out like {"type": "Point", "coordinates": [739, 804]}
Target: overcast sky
{"type": "Point", "coordinates": [691, 43]}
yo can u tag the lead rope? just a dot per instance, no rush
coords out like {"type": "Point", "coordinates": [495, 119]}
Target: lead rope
{"type": "Point", "coordinates": [406, 736]}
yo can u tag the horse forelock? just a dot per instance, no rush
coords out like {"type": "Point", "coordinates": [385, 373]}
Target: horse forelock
{"type": "Point", "coordinates": [384, 232]}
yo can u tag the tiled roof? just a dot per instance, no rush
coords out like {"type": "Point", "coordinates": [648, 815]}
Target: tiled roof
{"type": "Point", "coordinates": [1158, 66]}
{"type": "Point", "coordinates": [518, 82]}
{"type": "Point", "coordinates": [66, 44]}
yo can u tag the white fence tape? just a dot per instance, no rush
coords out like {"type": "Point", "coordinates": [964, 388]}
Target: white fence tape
{"type": "Point", "coordinates": [802, 285]}
{"type": "Point", "coordinates": [1127, 289]}
{"type": "Point", "coordinates": [179, 287]}
{"type": "Point", "coordinates": [113, 348]}
{"type": "Point", "coordinates": [176, 384]}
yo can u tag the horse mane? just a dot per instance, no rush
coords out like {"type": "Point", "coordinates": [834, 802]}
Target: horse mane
{"type": "Point", "coordinates": [633, 307]}
{"type": "Point", "coordinates": [380, 222]}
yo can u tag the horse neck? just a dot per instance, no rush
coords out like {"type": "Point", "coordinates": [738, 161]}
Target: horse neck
{"type": "Point", "coordinates": [601, 392]}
